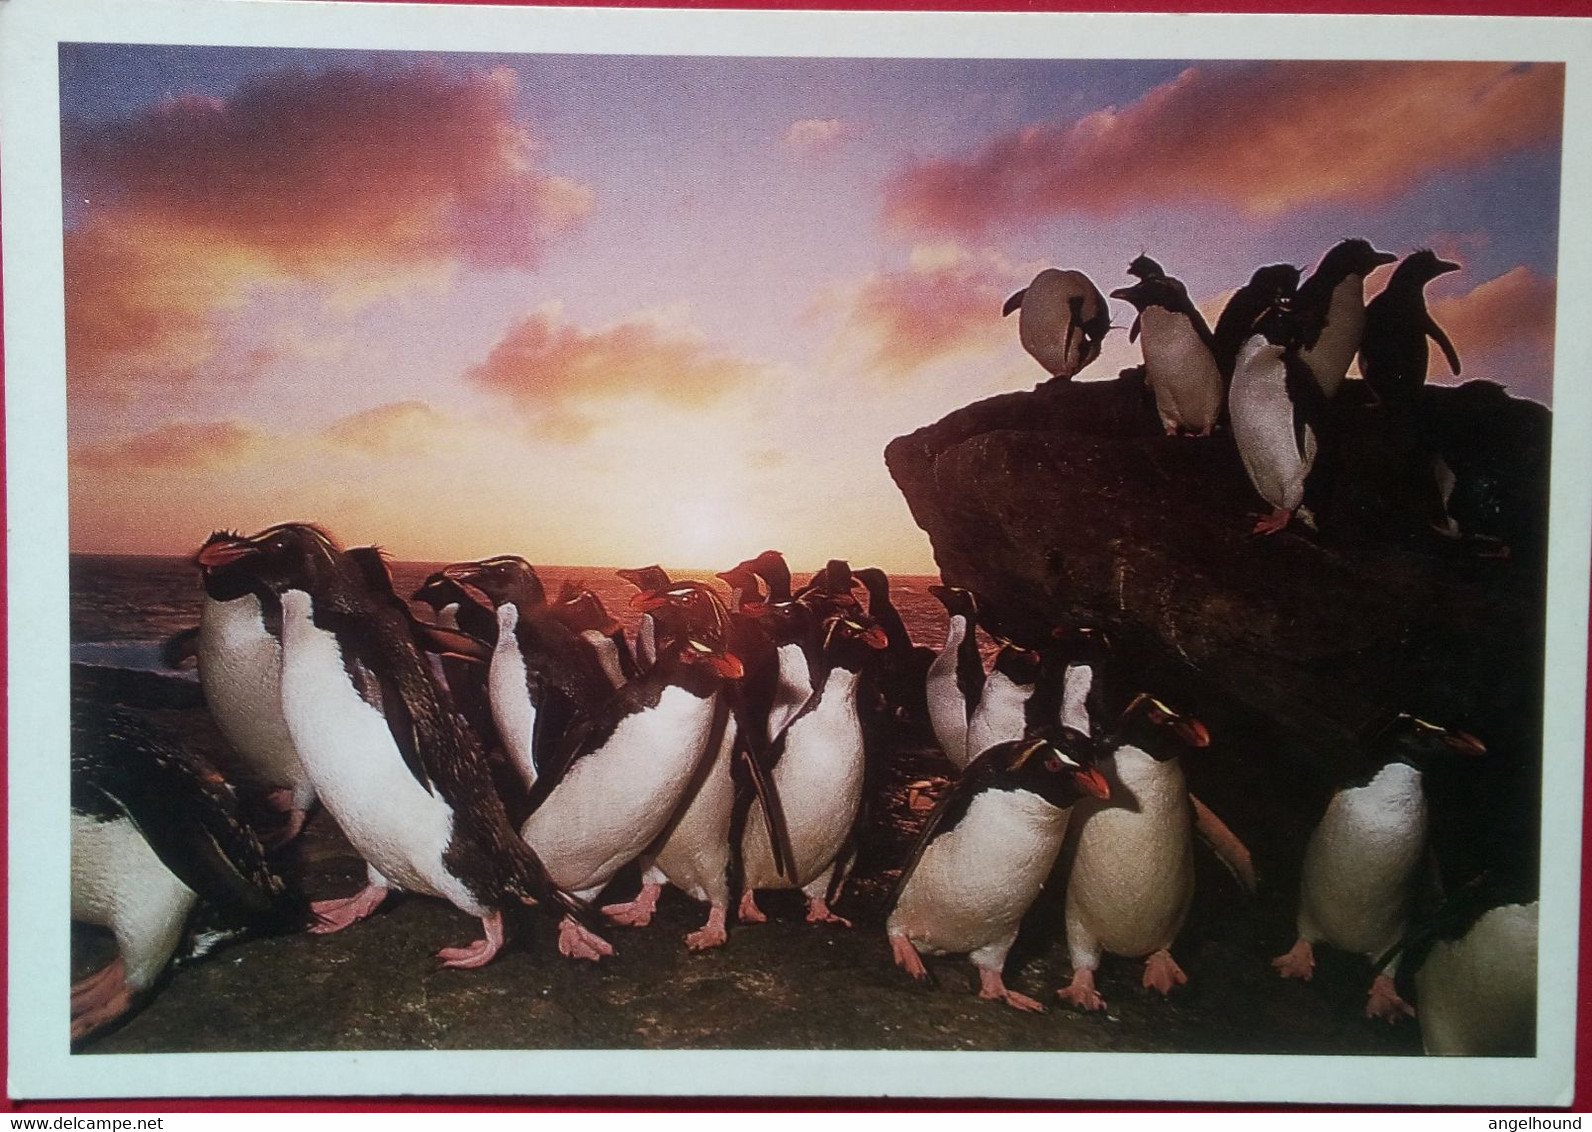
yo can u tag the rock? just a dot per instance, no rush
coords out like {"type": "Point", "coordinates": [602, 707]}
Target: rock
{"type": "Point", "coordinates": [1066, 504]}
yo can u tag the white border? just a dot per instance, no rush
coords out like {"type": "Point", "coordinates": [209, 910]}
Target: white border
{"type": "Point", "coordinates": [39, 1065]}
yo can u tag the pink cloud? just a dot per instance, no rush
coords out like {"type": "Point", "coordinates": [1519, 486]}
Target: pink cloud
{"type": "Point", "coordinates": [1503, 330]}
{"type": "Point", "coordinates": [812, 135]}
{"type": "Point", "coordinates": [562, 376]}
{"type": "Point", "coordinates": [945, 302]}
{"type": "Point", "coordinates": [1263, 137]}
{"type": "Point", "coordinates": [396, 428]}
{"type": "Point", "coordinates": [342, 177]}
{"type": "Point", "coordinates": [176, 445]}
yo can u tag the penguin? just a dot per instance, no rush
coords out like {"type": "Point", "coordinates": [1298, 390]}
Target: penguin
{"type": "Point", "coordinates": [649, 581]}
{"type": "Point", "coordinates": [631, 766]}
{"type": "Point", "coordinates": [1270, 286]}
{"type": "Point", "coordinates": [817, 764]}
{"type": "Point", "coordinates": [1331, 304]}
{"type": "Point", "coordinates": [1001, 715]}
{"type": "Point", "coordinates": [1179, 366]}
{"type": "Point", "coordinates": [542, 677]}
{"type": "Point", "coordinates": [982, 858]}
{"type": "Point", "coordinates": [1063, 320]}
{"type": "Point", "coordinates": [155, 830]}
{"type": "Point", "coordinates": [793, 628]}
{"type": "Point", "coordinates": [455, 607]}
{"type": "Point", "coordinates": [582, 612]}
{"type": "Point", "coordinates": [1471, 970]}
{"type": "Point", "coordinates": [1363, 858]}
{"type": "Point", "coordinates": [1084, 653]}
{"type": "Point", "coordinates": [238, 646]}
{"type": "Point", "coordinates": [1143, 267]}
{"type": "Point", "coordinates": [1397, 325]}
{"type": "Point", "coordinates": [1130, 880]}
{"type": "Point", "coordinates": [830, 590]}
{"type": "Point", "coordinates": [405, 778]}
{"type": "Point", "coordinates": [905, 667]}
{"type": "Point", "coordinates": [1276, 408]}
{"type": "Point", "coordinates": [956, 678]}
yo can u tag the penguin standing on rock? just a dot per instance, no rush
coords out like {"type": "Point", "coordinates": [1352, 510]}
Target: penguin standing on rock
{"type": "Point", "coordinates": [955, 681]}
{"type": "Point", "coordinates": [1002, 711]}
{"type": "Point", "coordinates": [1331, 304]}
{"type": "Point", "coordinates": [399, 770]}
{"type": "Point", "coordinates": [1393, 351]}
{"type": "Point", "coordinates": [982, 858]}
{"type": "Point", "coordinates": [1179, 366]}
{"type": "Point", "coordinates": [154, 831]}
{"type": "Point", "coordinates": [1363, 858]}
{"type": "Point", "coordinates": [1276, 408]}
{"type": "Point", "coordinates": [1131, 875]}
{"type": "Point", "coordinates": [1063, 320]}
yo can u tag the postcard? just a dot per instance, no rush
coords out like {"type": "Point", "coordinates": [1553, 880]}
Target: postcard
{"type": "Point", "coordinates": [558, 552]}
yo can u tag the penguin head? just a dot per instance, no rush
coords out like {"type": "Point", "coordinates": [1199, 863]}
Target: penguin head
{"type": "Point", "coordinates": [647, 579]}
{"type": "Point", "coordinates": [742, 578]}
{"type": "Point", "coordinates": [1352, 257]}
{"type": "Point", "coordinates": [1059, 775]}
{"type": "Point", "coordinates": [1080, 644]}
{"type": "Point", "coordinates": [1143, 267]}
{"type": "Point", "coordinates": [1281, 326]}
{"type": "Point", "coordinates": [1421, 267]}
{"type": "Point", "coordinates": [1275, 281]}
{"type": "Point", "coordinates": [440, 591]}
{"type": "Point", "coordinates": [1018, 664]}
{"type": "Point", "coordinates": [693, 626]}
{"type": "Point", "coordinates": [770, 566]}
{"type": "Point", "coordinates": [218, 572]}
{"type": "Point", "coordinates": [1155, 291]}
{"type": "Point", "coordinates": [850, 641]}
{"type": "Point", "coordinates": [1163, 733]}
{"type": "Point", "coordinates": [583, 611]}
{"type": "Point", "coordinates": [299, 556]}
{"type": "Point", "coordinates": [1409, 739]}
{"type": "Point", "coordinates": [957, 600]}
{"type": "Point", "coordinates": [502, 578]}
{"type": "Point", "coordinates": [876, 582]}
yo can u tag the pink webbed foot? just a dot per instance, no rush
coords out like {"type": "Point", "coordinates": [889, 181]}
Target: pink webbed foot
{"type": "Point", "coordinates": [818, 913]}
{"type": "Point", "coordinates": [1162, 973]}
{"type": "Point", "coordinates": [748, 912]}
{"type": "Point", "coordinates": [1384, 1001]}
{"type": "Point", "coordinates": [479, 953]}
{"type": "Point", "coordinates": [1170, 429]}
{"type": "Point", "coordinates": [636, 913]}
{"type": "Point", "coordinates": [577, 942]}
{"type": "Point", "coordinates": [906, 957]}
{"type": "Point", "coordinates": [1081, 993]}
{"type": "Point", "coordinates": [990, 985]}
{"type": "Point", "coordinates": [335, 915]}
{"type": "Point", "coordinates": [1272, 523]}
{"type": "Point", "coordinates": [102, 997]}
{"type": "Point", "coordinates": [710, 934]}
{"type": "Point", "coordinates": [1298, 963]}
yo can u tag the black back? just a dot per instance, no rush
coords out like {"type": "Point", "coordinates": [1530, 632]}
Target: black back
{"type": "Point", "coordinates": [1267, 287]}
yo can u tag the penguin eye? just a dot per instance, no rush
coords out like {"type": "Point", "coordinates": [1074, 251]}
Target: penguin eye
{"type": "Point", "coordinates": [1053, 764]}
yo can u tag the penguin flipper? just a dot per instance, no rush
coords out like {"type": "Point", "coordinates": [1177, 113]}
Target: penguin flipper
{"type": "Point", "coordinates": [451, 643]}
{"type": "Point", "coordinates": [762, 781]}
{"type": "Point", "coordinates": [1013, 302]}
{"type": "Point", "coordinates": [179, 648]}
{"type": "Point", "coordinates": [1133, 331]}
{"type": "Point", "coordinates": [401, 723]}
{"type": "Point", "coordinates": [1306, 395]}
{"type": "Point", "coordinates": [1225, 843]}
{"type": "Point", "coordinates": [1436, 334]}
{"type": "Point", "coordinates": [943, 818]}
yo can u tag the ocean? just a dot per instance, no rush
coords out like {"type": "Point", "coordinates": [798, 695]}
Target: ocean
{"type": "Point", "coordinates": [124, 606]}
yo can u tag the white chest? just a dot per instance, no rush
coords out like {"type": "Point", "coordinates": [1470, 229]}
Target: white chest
{"type": "Point", "coordinates": [1262, 419]}
{"type": "Point", "coordinates": [1340, 338]}
{"type": "Point", "coordinates": [615, 801]}
{"type": "Point", "coordinates": [973, 884]}
{"type": "Point", "coordinates": [947, 708]}
{"type": "Point", "coordinates": [1361, 862]}
{"type": "Point", "coordinates": [794, 689]}
{"type": "Point", "coordinates": [395, 823]}
{"type": "Point", "coordinates": [607, 655]}
{"type": "Point", "coordinates": [512, 711]}
{"type": "Point", "coordinates": [119, 883]}
{"type": "Point", "coordinates": [999, 717]}
{"type": "Point", "coordinates": [1133, 876]}
{"type": "Point", "coordinates": [1181, 370]}
{"type": "Point", "coordinates": [1076, 683]}
{"type": "Point", "coordinates": [240, 669]}
{"type": "Point", "coordinates": [1478, 994]}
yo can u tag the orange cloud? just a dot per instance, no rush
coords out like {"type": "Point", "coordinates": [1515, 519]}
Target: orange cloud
{"type": "Point", "coordinates": [812, 135]}
{"type": "Point", "coordinates": [347, 178]}
{"type": "Point", "coordinates": [561, 376]}
{"type": "Point", "coordinates": [945, 302]}
{"type": "Point", "coordinates": [1503, 330]}
{"type": "Point", "coordinates": [176, 445]}
{"type": "Point", "coordinates": [391, 430]}
{"type": "Point", "coordinates": [1264, 137]}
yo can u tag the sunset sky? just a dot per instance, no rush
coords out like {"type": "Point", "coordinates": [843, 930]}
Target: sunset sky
{"type": "Point", "coordinates": [615, 310]}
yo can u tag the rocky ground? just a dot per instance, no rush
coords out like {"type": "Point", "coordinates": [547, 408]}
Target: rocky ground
{"type": "Point", "coordinates": [782, 985]}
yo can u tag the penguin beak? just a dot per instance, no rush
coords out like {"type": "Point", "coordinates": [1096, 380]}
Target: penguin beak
{"type": "Point", "coordinates": [1125, 293]}
{"type": "Point", "coordinates": [1192, 732]}
{"type": "Point", "coordinates": [1465, 743]}
{"type": "Point", "coordinates": [223, 551]}
{"type": "Point", "coordinates": [1444, 267]}
{"type": "Point", "coordinates": [647, 602]}
{"type": "Point", "coordinates": [1383, 258]}
{"type": "Point", "coordinates": [1092, 782]}
{"type": "Point", "coordinates": [874, 637]}
{"type": "Point", "coordinates": [726, 664]}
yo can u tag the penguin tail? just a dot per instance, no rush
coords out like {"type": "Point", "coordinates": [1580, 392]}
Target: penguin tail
{"type": "Point", "coordinates": [179, 648]}
{"type": "Point", "coordinates": [532, 884]}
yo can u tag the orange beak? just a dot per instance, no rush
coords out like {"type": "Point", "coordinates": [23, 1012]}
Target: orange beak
{"type": "Point", "coordinates": [1192, 732]}
{"type": "Point", "coordinates": [1465, 743]}
{"type": "Point", "coordinates": [875, 638]}
{"type": "Point", "coordinates": [1092, 782]}
{"type": "Point", "coordinates": [216, 554]}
